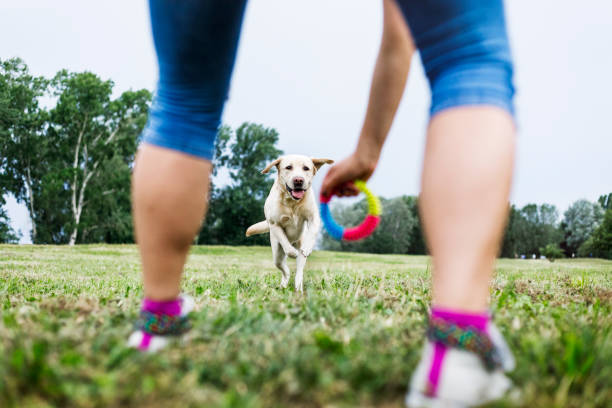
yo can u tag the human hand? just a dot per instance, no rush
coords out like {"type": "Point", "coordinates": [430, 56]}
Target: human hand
{"type": "Point", "coordinates": [339, 178]}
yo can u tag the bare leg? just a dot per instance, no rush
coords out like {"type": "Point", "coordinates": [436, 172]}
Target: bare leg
{"type": "Point", "coordinates": [464, 201]}
{"type": "Point", "coordinates": [169, 191]}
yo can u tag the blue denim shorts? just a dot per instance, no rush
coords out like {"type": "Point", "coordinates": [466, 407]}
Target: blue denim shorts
{"type": "Point", "coordinates": [463, 46]}
{"type": "Point", "coordinates": [465, 51]}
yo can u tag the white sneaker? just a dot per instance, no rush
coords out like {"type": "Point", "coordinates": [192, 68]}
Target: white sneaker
{"type": "Point", "coordinates": [151, 342]}
{"type": "Point", "coordinates": [463, 380]}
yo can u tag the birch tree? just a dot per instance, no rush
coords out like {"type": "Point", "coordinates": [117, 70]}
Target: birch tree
{"type": "Point", "coordinates": [90, 128]}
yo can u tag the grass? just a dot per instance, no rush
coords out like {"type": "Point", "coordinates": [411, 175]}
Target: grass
{"type": "Point", "coordinates": [351, 340]}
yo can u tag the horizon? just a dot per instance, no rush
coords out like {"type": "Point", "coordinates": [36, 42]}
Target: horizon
{"type": "Point", "coordinates": [312, 85]}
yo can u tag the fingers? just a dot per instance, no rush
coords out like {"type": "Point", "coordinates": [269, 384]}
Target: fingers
{"type": "Point", "coordinates": [347, 189]}
{"type": "Point", "coordinates": [338, 180]}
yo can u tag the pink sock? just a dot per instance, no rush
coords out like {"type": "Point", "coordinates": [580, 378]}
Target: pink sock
{"type": "Point", "coordinates": [461, 319]}
{"type": "Point", "coordinates": [169, 307]}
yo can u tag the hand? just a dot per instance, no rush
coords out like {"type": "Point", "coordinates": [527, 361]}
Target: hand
{"type": "Point", "coordinates": [339, 177]}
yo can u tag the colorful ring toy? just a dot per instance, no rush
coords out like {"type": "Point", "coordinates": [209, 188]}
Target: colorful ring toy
{"type": "Point", "coordinates": [363, 230]}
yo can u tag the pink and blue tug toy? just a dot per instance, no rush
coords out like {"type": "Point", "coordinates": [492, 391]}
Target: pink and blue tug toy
{"type": "Point", "coordinates": [363, 230]}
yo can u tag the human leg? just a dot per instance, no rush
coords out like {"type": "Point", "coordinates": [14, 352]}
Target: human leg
{"type": "Point", "coordinates": [464, 201]}
{"type": "Point", "coordinates": [170, 192]}
{"type": "Point", "coordinates": [196, 44]}
{"type": "Point", "coordinates": [465, 186]}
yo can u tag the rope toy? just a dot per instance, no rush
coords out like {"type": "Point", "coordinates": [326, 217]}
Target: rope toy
{"type": "Point", "coordinates": [363, 230]}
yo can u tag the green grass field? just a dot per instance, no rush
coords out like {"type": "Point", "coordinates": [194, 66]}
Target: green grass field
{"type": "Point", "coordinates": [352, 339]}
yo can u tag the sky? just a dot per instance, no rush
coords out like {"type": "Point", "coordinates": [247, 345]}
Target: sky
{"type": "Point", "coordinates": [304, 68]}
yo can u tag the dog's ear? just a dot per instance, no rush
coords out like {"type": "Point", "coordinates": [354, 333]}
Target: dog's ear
{"type": "Point", "coordinates": [269, 166]}
{"type": "Point", "coordinates": [319, 162]}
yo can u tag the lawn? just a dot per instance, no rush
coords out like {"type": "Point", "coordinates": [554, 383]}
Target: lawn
{"type": "Point", "coordinates": [352, 339]}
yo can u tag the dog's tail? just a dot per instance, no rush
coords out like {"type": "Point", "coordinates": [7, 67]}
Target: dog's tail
{"type": "Point", "coordinates": [259, 228]}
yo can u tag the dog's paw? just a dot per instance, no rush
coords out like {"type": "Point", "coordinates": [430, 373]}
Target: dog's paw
{"type": "Point", "coordinates": [306, 252]}
{"type": "Point", "coordinates": [292, 252]}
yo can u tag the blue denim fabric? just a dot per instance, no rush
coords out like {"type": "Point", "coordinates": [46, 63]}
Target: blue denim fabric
{"type": "Point", "coordinates": [463, 45]}
{"type": "Point", "coordinates": [196, 43]}
{"type": "Point", "coordinates": [465, 51]}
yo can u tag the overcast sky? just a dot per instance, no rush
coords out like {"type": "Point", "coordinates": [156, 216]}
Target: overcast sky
{"type": "Point", "coordinates": [304, 68]}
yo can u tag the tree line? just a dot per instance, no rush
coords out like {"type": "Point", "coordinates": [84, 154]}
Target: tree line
{"type": "Point", "coordinates": [67, 148]}
{"type": "Point", "coordinates": [584, 230]}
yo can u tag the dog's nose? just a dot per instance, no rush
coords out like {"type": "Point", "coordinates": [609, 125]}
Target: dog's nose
{"type": "Point", "coordinates": [298, 181]}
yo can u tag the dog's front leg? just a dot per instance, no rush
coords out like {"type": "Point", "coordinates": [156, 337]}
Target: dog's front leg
{"type": "Point", "coordinates": [280, 261]}
{"type": "Point", "coordinates": [309, 236]}
{"type": "Point", "coordinates": [299, 272]}
{"type": "Point", "coordinates": [282, 239]}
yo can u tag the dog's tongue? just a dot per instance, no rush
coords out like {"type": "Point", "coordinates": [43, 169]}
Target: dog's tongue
{"type": "Point", "coordinates": [297, 194]}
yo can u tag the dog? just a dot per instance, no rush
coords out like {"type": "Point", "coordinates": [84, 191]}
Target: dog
{"type": "Point", "coordinates": [292, 215]}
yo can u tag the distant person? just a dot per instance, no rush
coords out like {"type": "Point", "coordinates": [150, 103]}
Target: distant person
{"type": "Point", "coordinates": [465, 182]}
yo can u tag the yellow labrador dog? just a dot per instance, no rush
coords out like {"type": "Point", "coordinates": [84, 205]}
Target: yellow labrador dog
{"type": "Point", "coordinates": [292, 215]}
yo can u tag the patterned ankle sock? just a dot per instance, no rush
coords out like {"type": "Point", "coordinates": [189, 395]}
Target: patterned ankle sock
{"type": "Point", "coordinates": [444, 323]}
{"type": "Point", "coordinates": [156, 318]}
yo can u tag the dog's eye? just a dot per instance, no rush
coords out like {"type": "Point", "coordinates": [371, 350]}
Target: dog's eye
{"type": "Point", "coordinates": [306, 168]}
{"type": "Point", "coordinates": [289, 167]}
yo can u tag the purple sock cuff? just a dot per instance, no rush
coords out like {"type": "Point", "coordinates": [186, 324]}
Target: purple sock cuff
{"type": "Point", "coordinates": [170, 307]}
{"type": "Point", "coordinates": [462, 319]}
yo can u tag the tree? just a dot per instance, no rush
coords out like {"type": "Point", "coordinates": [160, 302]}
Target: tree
{"type": "Point", "coordinates": [600, 242]}
{"type": "Point", "coordinates": [241, 155]}
{"type": "Point", "coordinates": [417, 244]}
{"type": "Point", "coordinates": [605, 201]}
{"type": "Point", "coordinates": [551, 252]}
{"type": "Point", "coordinates": [91, 130]}
{"type": "Point", "coordinates": [24, 145]}
{"type": "Point", "coordinates": [529, 229]}
{"type": "Point", "coordinates": [7, 234]}
{"type": "Point", "coordinates": [580, 220]}
{"type": "Point", "coordinates": [394, 234]}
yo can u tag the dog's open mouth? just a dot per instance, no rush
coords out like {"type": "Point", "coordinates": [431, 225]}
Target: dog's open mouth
{"type": "Point", "coordinates": [296, 193]}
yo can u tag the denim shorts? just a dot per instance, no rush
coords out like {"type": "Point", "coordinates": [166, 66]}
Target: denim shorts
{"type": "Point", "coordinates": [463, 46]}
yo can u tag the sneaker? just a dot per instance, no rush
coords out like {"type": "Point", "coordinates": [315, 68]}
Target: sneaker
{"type": "Point", "coordinates": [452, 377]}
{"type": "Point", "coordinates": [156, 331]}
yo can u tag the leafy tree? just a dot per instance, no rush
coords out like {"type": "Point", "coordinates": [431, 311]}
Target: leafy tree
{"type": "Point", "coordinates": [417, 244]}
{"type": "Point", "coordinates": [580, 220]}
{"type": "Point", "coordinates": [91, 130]}
{"type": "Point", "coordinates": [600, 242]}
{"type": "Point", "coordinates": [552, 252]}
{"type": "Point", "coordinates": [529, 229]}
{"type": "Point", "coordinates": [394, 234]}
{"type": "Point", "coordinates": [514, 227]}
{"type": "Point", "coordinates": [241, 155]}
{"type": "Point", "coordinates": [24, 146]}
{"type": "Point", "coordinates": [108, 217]}
{"type": "Point", "coordinates": [7, 234]}
{"type": "Point", "coordinates": [605, 201]}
